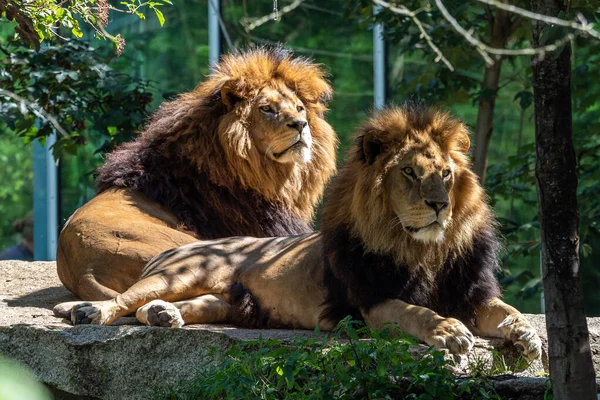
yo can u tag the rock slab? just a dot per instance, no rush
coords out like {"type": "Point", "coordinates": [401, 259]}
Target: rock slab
{"type": "Point", "coordinates": [137, 362]}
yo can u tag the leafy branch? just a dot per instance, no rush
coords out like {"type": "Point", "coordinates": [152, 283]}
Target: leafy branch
{"type": "Point", "coordinates": [37, 97]}
{"type": "Point", "coordinates": [39, 111]}
{"type": "Point", "coordinates": [39, 20]}
{"type": "Point", "coordinates": [487, 52]}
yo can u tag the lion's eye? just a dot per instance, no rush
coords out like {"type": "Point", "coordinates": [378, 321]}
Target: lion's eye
{"type": "Point", "coordinates": [266, 109]}
{"type": "Point", "coordinates": [446, 173]}
{"type": "Point", "coordinates": [300, 108]}
{"type": "Point", "coordinates": [408, 171]}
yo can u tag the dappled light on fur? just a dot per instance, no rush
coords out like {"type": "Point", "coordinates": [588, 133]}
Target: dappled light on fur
{"type": "Point", "coordinates": [367, 262]}
{"type": "Point", "coordinates": [209, 164]}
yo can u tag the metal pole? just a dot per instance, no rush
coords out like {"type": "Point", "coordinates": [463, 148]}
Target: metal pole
{"type": "Point", "coordinates": [45, 201]}
{"type": "Point", "coordinates": [379, 67]}
{"type": "Point", "coordinates": [214, 37]}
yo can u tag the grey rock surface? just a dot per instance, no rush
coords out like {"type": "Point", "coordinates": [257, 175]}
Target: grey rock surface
{"type": "Point", "coordinates": [135, 362]}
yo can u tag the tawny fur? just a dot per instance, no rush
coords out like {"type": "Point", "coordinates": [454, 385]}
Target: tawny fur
{"type": "Point", "coordinates": [436, 287]}
{"type": "Point", "coordinates": [357, 197]}
{"type": "Point", "coordinates": [200, 170]}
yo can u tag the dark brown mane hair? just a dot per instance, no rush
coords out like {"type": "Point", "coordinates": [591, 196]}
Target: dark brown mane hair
{"type": "Point", "coordinates": [195, 155]}
{"type": "Point", "coordinates": [368, 260]}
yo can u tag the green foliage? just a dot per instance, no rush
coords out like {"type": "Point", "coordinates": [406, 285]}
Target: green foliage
{"type": "Point", "coordinates": [73, 85]}
{"type": "Point", "coordinates": [16, 184]}
{"type": "Point", "coordinates": [39, 20]}
{"type": "Point", "coordinates": [355, 363]}
{"type": "Point", "coordinates": [513, 180]}
{"type": "Point", "coordinates": [175, 56]}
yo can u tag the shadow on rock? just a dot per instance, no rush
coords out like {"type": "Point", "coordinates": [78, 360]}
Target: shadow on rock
{"type": "Point", "coordinates": [43, 298]}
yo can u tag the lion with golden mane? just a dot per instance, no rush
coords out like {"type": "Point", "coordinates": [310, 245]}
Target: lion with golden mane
{"type": "Point", "coordinates": [248, 152]}
{"type": "Point", "coordinates": [407, 237]}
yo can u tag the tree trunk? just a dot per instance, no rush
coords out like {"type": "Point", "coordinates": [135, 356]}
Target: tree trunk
{"type": "Point", "coordinates": [571, 369]}
{"type": "Point", "coordinates": [500, 32]}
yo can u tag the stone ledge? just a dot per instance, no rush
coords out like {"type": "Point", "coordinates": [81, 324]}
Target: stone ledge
{"type": "Point", "coordinates": [135, 362]}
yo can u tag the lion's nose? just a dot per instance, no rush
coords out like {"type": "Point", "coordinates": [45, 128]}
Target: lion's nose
{"type": "Point", "coordinates": [298, 124]}
{"type": "Point", "coordinates": [437, 205]}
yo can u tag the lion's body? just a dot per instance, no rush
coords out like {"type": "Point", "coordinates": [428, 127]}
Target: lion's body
{"type": "Point", "coordinates": [269, 282]}
{"type": "Point", "coordinates": [246, 153]}
{"type": "Point", "coordinates": [407, 237]}
{"type": "Point", "coordinates": [119, 228]}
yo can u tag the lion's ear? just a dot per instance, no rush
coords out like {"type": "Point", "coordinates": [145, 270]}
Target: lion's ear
{"type": "Point", "coordinates": [371, 148]}
{"type": "Point", "coordinates": [462, 141]}
{"type": "Point", "coordinates": [229, 97]}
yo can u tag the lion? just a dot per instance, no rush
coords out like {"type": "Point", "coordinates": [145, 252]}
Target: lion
{"type": "Point", "coordinates": [407, 237]}
{"type": "Point", "coordinates": [247, 152]}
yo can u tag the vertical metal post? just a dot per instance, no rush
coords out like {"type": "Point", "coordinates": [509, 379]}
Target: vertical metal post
{"type": "Point", "coordinates": [379, 65]}
{"type": "Point", "coordinates": [214, 37]}
{"type": "Point", "coordinates": [45, 201]}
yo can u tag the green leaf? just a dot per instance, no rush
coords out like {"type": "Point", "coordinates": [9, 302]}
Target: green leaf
{"type": "Point", "coordinates": [112, 130]}
{"type": "Point", "coordinates": [160, 16]}
{"type": "Point", "coordinates": [77, 32]}
{"type": "Point", "coordinates": [526, 99]}
{"type": "Point", "coordinates": [586, 250]}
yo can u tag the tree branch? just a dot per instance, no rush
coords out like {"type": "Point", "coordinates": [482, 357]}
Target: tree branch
{"type": "Point", "coordinates": [584, 26]}
{"type": "Point", "coordinates": [37, 110]}
{"type": "Point", "coordinates": [253, 23]}
{"type": "Point", "coordinates": [484, 50]}
{"type": "Point", "coordinates": [481, 47]}
{"type": "Point", "coordinates": [401, 10]}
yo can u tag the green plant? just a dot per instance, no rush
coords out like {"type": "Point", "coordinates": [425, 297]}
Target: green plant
{"type": "Point", "coordinates": [40, 20]}
{"type": "Point", "coordinates": [351, 364]}
{"type": "Point", "coordinates": [70, 89]}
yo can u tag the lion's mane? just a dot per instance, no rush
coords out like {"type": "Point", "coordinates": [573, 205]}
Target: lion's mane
{"type": "Point", "coordinates": [196, 156]}
{"type": "Point", "coordinates": [369, 260]}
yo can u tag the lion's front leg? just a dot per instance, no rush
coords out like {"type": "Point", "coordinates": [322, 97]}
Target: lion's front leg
{"type": "Point", "coordinates": [422, 323]}
{"type": "Point", "coordinates": [206, 309]}
{"type": "Point", "coordinates": [171, 285]}
{"type": "Point", "coordinates": [498, 319]}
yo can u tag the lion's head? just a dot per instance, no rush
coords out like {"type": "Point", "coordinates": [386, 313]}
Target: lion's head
{"type": "Point", "coordinates": [408, 187]}
{"type": "Point", "coordinates": [279, 125]}
{"type": "Point", "coordinates": [256, 123]}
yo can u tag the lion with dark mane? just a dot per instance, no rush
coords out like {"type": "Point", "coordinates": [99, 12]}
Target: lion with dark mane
{"type": "Point", "coordinates": [248, 152]}
{"type": "Point", "coordinates": [407, 237]}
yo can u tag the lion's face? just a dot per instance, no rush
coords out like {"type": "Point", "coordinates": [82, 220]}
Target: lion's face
{"type": "Point", "coordinates": [412, 161]}
{"type": "Point", "coordinates": [279, 127]}
{"type": "Point", "coordinates": [418, 184]}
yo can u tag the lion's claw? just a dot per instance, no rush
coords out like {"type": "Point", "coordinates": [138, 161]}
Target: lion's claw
{"type": "Point", "coordinates": [507, 321]}
{"type": "Point", "coordinates": [452, 334]}
{"type": "Point", "coordinates": [517, 329]}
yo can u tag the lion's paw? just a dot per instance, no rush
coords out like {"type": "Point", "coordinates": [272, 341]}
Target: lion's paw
{"type": "Point", "coordinates": [452, 334]}
{"type": "Point", "coordinates": [517, 329]}
{"type": "Point", "coordinates": [89, 313]}
{"type": "Point", "coordinates": [160, 313]}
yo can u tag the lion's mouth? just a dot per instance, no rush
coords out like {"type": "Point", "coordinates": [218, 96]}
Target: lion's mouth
{"type": "Point", "coordinates": [413, 229]}
{"type": "Point", "coordinates": [299, 143]}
